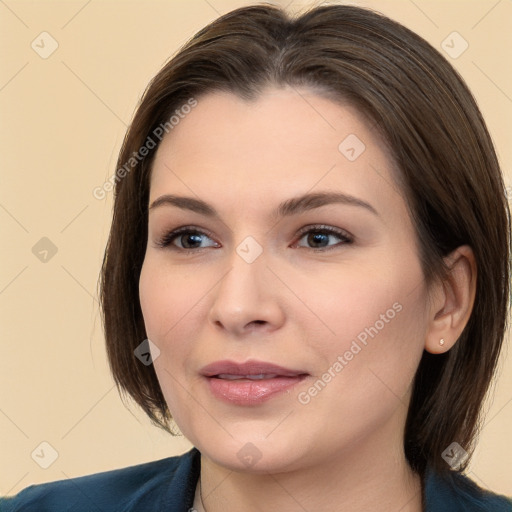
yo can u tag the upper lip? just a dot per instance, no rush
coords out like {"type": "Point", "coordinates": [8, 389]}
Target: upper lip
{"type": "Point", "coordinates": [251, 367]}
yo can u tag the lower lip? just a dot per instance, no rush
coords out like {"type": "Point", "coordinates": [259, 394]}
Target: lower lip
{"type": "Point", "coordinates": [251, 392]}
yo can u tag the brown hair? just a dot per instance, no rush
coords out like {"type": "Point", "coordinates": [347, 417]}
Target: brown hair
{"type": "Point", "coordinates": [448, 171]}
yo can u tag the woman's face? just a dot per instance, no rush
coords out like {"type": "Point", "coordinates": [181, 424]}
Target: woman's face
{"type": "Point", "coordinates": [298, 252]}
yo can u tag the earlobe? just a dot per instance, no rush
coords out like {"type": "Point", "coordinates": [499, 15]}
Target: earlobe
{"type": "Point", "coordinates": [452, 302]}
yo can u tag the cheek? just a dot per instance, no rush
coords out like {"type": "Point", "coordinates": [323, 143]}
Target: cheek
{"type": "Point", "coordinates": [374, 318]}
{"type": "Point", "coordinates": [367, 367]}
{"type": "Point", "coordinates": [153, 297]}
{"type": "Point", "coordinates": [169, 304]}
{"type": "Point", "coordinates": [350, 300]}
{"type": "Point", "coordinates": [169, 299]}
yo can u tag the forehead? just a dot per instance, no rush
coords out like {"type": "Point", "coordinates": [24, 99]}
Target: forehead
{"type": "Point", "coordinates": [285, 142]}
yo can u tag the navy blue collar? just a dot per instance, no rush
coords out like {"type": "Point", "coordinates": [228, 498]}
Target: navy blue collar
{"type": "Point", "coordinates": [170, 484]}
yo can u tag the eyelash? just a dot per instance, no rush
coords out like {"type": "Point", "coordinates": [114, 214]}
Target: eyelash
{"type": "Point", "coordinates": [166, 240]}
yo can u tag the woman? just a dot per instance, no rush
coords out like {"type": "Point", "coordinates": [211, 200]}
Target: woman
{"type": "Point", "coordinates": [308, 272]}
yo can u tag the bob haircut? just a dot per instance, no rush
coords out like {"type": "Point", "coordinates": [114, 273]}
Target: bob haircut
{"type": "Point", "coordinates": [448, 174]}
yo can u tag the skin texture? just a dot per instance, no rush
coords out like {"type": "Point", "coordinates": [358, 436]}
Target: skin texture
{"type": "Point", "coordinates": [295, 305]}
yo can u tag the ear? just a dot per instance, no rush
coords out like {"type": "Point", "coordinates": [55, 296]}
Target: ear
{"type": "Point", "coordinates": [452, 301]}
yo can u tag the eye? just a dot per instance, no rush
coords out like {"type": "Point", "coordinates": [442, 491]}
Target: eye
{"type": "Point", "coordinates": [320, 237]}
{"type": "Point", "coordinates": [316, 237]}
{"type": "Point", "coordinates": [187, 239]}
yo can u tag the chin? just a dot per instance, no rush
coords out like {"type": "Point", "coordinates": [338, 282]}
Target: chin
{"type": "Point", "coordinates": [253, 454]}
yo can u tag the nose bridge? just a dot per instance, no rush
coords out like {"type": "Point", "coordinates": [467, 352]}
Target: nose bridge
{"type": "Point", "coordinates": [241, 285]}
{"type": "Point", "coordinates": [244, 298]}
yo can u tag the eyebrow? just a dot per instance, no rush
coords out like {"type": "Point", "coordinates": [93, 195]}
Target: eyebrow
{"type": "Point", "coordinates": [292, 206]}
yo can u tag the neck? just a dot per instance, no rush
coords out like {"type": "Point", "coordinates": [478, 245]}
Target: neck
{"type": "Point", "coordinates": [371, 476]}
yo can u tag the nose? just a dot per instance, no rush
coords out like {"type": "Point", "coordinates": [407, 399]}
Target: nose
{"type": "Point", "coordinates": [247, 299]}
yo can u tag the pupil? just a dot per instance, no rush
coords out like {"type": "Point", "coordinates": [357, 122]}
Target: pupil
{"type": "Point", "coordinates": [318, 238]}
{"type": "Point", "coordinates": [188, 241]}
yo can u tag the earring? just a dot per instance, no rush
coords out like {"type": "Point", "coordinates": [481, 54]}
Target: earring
{"type": "Point", "coordinates": [441, 341]}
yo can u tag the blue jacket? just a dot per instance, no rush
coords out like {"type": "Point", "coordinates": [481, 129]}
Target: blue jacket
{"type": "Point", "coordinates": [169, 485]}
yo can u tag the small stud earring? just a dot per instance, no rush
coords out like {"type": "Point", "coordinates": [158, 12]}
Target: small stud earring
{"type": "Point", "coordinates": [441, 341]}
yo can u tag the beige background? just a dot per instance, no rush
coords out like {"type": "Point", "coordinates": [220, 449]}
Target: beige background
{"type": "Point", "coordinates": [62, 123]}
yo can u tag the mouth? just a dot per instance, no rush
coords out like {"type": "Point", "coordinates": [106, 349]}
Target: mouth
{"type": "Point", "coordinates": [251, 382]}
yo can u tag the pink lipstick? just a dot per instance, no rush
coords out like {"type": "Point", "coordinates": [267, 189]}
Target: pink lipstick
{"type": "Point", "coordinates": [249, 383]}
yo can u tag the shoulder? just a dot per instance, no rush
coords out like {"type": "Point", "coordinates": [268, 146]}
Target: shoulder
{"type": "Point", "coordinates": [158, 485]}
{"type": "Point", "coordinates": [455, 492]}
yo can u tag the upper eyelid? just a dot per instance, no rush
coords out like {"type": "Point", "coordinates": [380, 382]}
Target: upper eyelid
{"type": "Point", "coordinates": [305, 229]}
{"type": "Point", "coordinates": [324, 227]}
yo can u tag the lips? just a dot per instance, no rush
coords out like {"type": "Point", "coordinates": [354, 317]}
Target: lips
{"type": "Point", "coordinates": [251, 382]}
